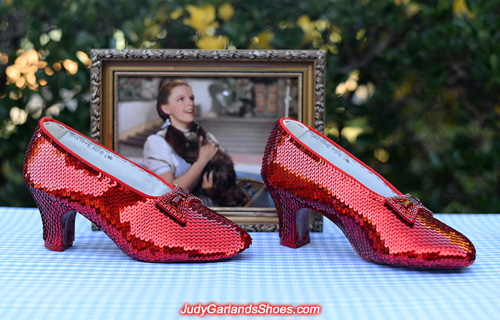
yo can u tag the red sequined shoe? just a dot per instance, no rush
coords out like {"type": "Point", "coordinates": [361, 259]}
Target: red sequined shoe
{"type": "Point", "coordinates": [304, 169]}
{"type": "Point", "coordinates": [148, 219]}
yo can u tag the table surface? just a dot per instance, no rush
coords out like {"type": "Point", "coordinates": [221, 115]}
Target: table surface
{"type": "Point", "coordinates": [95, 280]}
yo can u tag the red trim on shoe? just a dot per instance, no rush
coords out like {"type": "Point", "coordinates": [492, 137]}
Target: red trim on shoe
{"type": "Point", "coordinates": [46, 119]}
{"type": "Point", "coordinates": [339, 147]}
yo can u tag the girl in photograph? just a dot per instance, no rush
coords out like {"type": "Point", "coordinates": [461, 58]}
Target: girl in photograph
{"type": "Point", "coordinates": [183, 153]}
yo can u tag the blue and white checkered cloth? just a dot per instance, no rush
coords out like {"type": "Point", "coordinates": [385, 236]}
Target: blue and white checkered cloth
{"type": "Point", "coordinates": [95, 280]}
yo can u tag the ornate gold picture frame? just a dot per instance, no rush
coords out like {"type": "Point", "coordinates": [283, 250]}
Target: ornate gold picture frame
{"type": "Point", "coordinates": [242, 92]}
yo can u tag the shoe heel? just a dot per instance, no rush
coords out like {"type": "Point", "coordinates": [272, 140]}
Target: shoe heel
{"type": "Point", "coordinates": [58, 221]}
{"type": "Point", "coordinates": [293, 218]}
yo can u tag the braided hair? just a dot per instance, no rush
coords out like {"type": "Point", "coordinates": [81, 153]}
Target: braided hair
{"type": "Point", "coordinates": [184, 147]}
{"type": "Point", "coordinates": [226, 192]}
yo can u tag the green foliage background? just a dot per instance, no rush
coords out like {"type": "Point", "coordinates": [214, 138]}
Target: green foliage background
{"type": "Point", "coordinates": [413, 87]}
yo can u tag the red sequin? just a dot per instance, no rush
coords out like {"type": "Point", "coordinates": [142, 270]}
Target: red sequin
{"type": "Point", "coordinates": [176, 203]}
{"type": "Point", "coordinates": [299, 178]}
{"type": "Point", "coordinates": [62, 184]}
{"type": "Point", "coordinates": [407, 206]}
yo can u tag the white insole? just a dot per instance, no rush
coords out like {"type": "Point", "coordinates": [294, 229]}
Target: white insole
{"type": "Point", "coordinates": [339, 158]}
{"type": "Point", "coordinates": [108, 162]}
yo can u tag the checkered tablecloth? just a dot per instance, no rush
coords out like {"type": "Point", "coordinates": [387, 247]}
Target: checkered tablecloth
{"type": "Point", "coordinates": [95, 280]}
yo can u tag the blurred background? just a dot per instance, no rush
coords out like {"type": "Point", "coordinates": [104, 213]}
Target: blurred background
{"type": "Point", "coordinates": [412, 87]}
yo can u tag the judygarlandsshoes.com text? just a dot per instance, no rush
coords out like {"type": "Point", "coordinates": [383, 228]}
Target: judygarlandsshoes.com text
{"type": "Point", "coordinates": [213, 309]}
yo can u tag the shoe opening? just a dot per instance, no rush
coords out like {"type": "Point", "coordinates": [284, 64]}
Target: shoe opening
{"type": "Point", "coordinates": [336, 156]}
{"type": "Point", "coordinates": [107, 161]}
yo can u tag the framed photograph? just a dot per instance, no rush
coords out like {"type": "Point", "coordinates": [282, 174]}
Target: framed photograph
{"type": "Point", "coordinates": [239, 96]}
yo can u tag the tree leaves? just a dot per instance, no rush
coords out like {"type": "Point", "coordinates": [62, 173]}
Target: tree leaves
{"type": "Point", "coordinates": [430, 123]}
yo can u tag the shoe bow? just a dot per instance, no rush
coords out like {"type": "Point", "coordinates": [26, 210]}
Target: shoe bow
{"type": "Point", "coordinates": [176, 203]}
{"type": "Point", "coordinates": [407, 206]}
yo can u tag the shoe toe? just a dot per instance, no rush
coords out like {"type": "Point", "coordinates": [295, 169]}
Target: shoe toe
{"type": "Point", "coordinates": [217, 236]}
{"type": "Point", "coordinates": [455, 250]}
{"type": "Point", "coordinates": [205, 236]}
{"type": "Point", "coordinates": [440, 246]}
{"type": "Point", "coordinates": [428, 243]}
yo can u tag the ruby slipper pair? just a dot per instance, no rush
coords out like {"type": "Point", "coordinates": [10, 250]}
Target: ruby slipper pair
{"type": "Point", "coordinates": [153, 221]}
